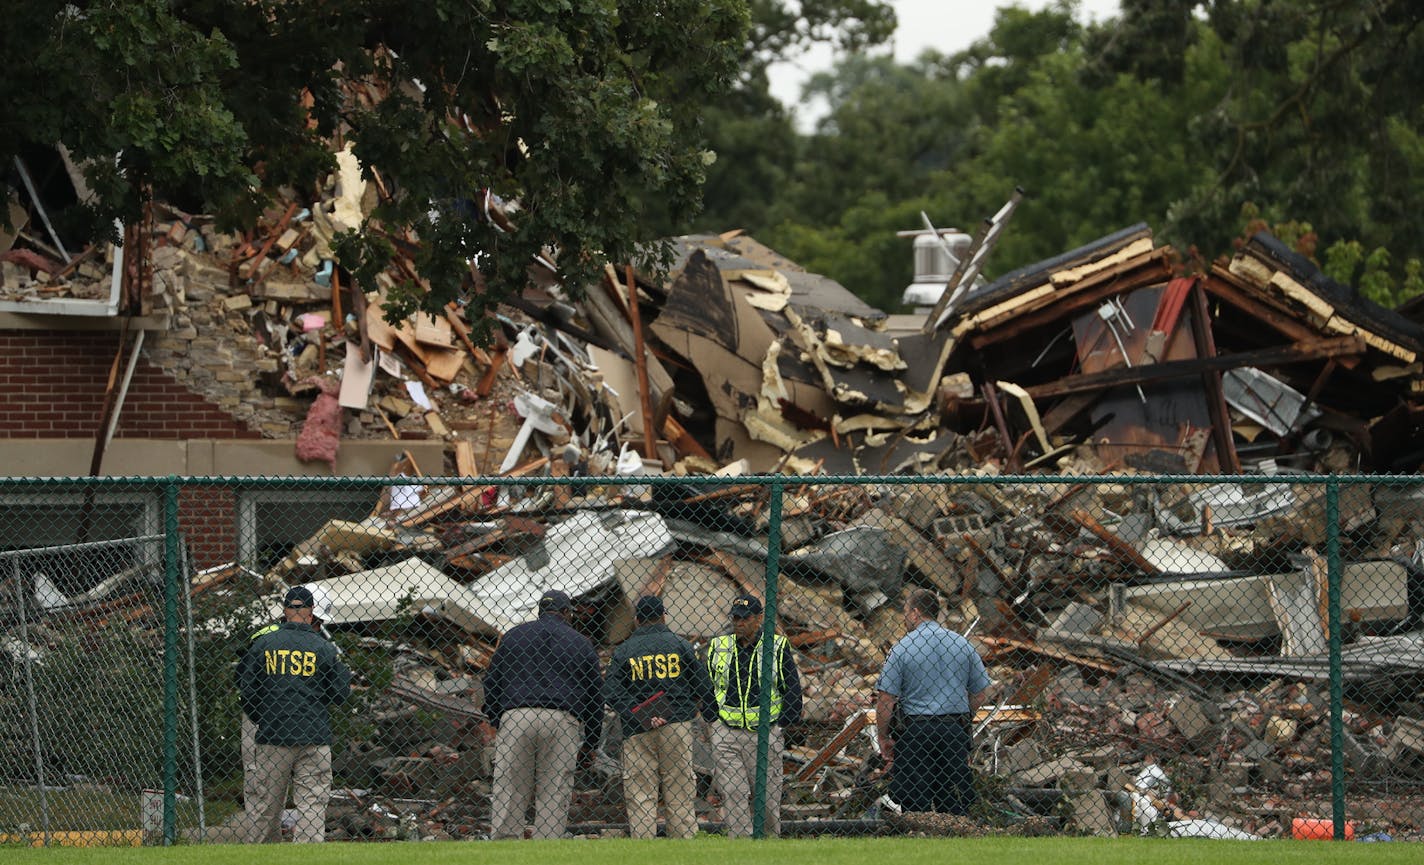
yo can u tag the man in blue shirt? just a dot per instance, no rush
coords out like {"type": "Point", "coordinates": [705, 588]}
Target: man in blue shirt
{"type": "Point", "coordinates": [542, 689]}
{"type": "Point", "coordinates": [937, 681]}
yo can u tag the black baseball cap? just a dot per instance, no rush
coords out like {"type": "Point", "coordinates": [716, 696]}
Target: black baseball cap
{"type": "Point", "coordinates": [298, 597]}
{"type": "Point", "coordinates": [745, 606]}
{"type": "Point", "coordinates": [554, 601]}
{"type": "Point", "coordinates": [649, 607]}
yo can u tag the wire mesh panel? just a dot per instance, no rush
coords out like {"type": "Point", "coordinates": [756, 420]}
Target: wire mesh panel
{"type": "Point", "coordinates": [402, 657]}
{"type": "Point", "coordinates": [95, 710]}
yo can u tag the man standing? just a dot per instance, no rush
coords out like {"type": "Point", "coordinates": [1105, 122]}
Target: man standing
{"type": "Point", "coordinates": [938, 681]}
{"type": "Point", "coordinates": [543, 684]}
{"type": "Point", "coordinates": [251, 783]}
{"type": "Point", "coordinates": [734, 663]}
{"type": "Point", "coordinates": [657, 686]}
{"type": "Point", "coordinates": [287, 679]}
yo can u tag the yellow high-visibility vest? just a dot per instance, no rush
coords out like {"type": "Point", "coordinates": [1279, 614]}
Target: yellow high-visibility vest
{"type": "Point", "coordinates": [743, 709]}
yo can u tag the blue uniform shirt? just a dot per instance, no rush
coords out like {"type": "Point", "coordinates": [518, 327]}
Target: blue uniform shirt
{"type": "Point", "coordinates": [933, 671]}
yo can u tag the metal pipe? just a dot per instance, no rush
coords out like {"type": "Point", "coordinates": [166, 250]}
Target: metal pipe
{"type": "Point", "coordinates": [185, 568]}
{"type": "Point", "coordinates": [123, 390]}
{"type": "Point", "coordinates": [44, 217]}
{"type": "Point", "coordinates": [20, 592]}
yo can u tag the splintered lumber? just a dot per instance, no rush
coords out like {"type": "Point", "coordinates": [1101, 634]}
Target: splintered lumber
{"type": "Point", "coordinates": [1038, 678]}
{"type": "Point", "coordinates": [249, 267]}
{"type": "Point", "coordinates": [1205, 344]}
{"type": "Point", "coordinates": [452, 315]}
{"type": "Point", "coordinates": [653, 585]}
{"type": "Point", "coordinates": [1304, 350]}
{"type": "Point", "coordinates": [1002, 645]}
{"type": "Point", "coordinates": [640, 363]}
{"type": "Point", "coordinates": [852, 727]}
{"type": "Point", "coordinates": [486, 383]}
{"type": "Point", "coordinates": [465, 465]}
{"type": "Point", "coordinates": [682, 441]}
{"type": "Point", "coordinates": [1121, 549]}
{"type": "Point", "coordinates": [1150, 632]}
{"type": "Point", "coordinates": [728, 564]}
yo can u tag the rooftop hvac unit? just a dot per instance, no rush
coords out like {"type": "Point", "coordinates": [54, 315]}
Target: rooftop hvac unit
{"type": "Point", "coordinates": [934, 265]}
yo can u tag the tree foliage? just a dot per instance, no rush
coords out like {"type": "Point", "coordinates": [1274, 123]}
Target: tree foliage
{"type": "Point", "coordinates": [1195, 117]}
{"type": "Point", "coordinates": [583, 112]}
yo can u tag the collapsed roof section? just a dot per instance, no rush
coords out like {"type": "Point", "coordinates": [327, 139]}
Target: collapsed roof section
{"type": "Point", "coordinates": [743, 358]}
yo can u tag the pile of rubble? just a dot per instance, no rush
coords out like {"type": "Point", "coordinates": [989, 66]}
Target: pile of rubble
{"type": "Point", "coordinates": [1104, 358]}
{"type": "Point", "coordinates": [1146, 682]}
{"type": "Point", "coordinates": [1107, 609]}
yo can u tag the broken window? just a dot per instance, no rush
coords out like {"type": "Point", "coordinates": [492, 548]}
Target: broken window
{"type": "Point", "coordinates": [271, 522]}
{"type": "Point", "coordinates": [66, 563]}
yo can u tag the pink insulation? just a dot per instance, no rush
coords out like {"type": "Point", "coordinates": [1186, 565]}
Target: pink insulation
{"type": "Point", "coordinates": [321, 431]}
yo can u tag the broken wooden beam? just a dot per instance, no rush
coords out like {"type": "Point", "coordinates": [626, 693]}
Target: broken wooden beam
{"type": "Point", "coordinates": [1121, 549]}
{"type": "Point", "coordinates": [1306, 350]}
{"type": "Point", "coordinates": [852, 727]}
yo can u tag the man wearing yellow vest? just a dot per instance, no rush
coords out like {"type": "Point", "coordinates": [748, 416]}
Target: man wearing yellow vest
{"type": "Point", "coordinates": [734, 663]}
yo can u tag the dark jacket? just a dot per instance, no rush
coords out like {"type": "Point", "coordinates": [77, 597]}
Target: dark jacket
{"type": "Point", "coordinates": [546, 664]}
{"type": "Point", "coordinates": [655, 659]}
{"type": "Point", "coordinates": [286, 679]}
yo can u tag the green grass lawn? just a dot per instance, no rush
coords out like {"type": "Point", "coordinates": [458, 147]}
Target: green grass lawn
{"type": "Point", "coordinates": [80, 809]}
{"type": "Point", "coordinates": [715, 850]}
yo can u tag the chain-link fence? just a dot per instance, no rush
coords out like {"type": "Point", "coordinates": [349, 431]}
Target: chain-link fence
{"type": "Point", "coordinates": [1220, 657]}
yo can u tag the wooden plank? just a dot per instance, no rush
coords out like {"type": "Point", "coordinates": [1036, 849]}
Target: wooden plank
{"type": "Point", "coordinates": [852, 727]}
{"type": "Point", "coordinates": [682, 441]}
{"type": "Point", "coordinates": [1054, 307]}
{"type": "Point", "coordinates": [250, 268]}
{"type": "Point", "coordinates": [653, 585]}
{"type": "Point", "coordinates": [465, 465]}
{"type": "Point", "coordinates": [1205, 343]}
{"type": "Point", "coordinates": [452, 315]}
{"type": "Point", "coordinates": [1314, 349]}
{"type": "Point", "coordinates": [1121, 549]}
{"type": "Point", "coordinates": [444, 364]}
{"type": "Point", "coordinates": [1008, 644]}
{"type": "Point", "coordinates": [1225, 286]}
{"type": "Point", "coordinates": [640, 363]}
{"type": "Point", "coordinates": [726, 563]}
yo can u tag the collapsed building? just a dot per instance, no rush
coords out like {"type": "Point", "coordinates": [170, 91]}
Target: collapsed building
{"type": "Point", "coordinates": [1185, 622]}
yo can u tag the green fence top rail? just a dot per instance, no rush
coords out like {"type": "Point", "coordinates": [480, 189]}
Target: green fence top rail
{"type": "Point", "coordinates": [769, 480]}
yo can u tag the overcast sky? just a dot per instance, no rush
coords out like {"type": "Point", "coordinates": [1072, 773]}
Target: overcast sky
{"type": "Point", "coordinates": [945, 25]}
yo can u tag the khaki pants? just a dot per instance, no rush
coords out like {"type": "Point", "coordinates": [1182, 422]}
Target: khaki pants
{"type": "Point", "coordinates": [308, 769]}
{"type": "Point", "coordinates": [734, 755]}
{"type": "Point", "coordinates": [273, 832]}
{"type": "Point", "coordinates": [660, 758]}
{"type": "Point", "coordinates": [534, 758]}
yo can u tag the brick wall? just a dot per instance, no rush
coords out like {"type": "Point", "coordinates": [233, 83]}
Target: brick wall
{"type": "Point", "coordinates": [52, 386]}
{"type": "Point", "coordinates": [207, 516]}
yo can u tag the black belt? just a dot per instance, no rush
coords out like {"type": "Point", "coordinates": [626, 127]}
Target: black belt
{"type": "Point", "coordinates": [961, 717]}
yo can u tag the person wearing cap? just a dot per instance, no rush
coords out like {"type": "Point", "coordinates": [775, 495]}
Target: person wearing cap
{"type": "Point", "coordinates": [734, 664]}
{"type": "Point", "coordinates": [657, 685]}
{"type": "Point", "coordinates": [287, 680]}
{"type": "Point", "coordinates": [271, 831]}
{"type": "Point", "coordinates": [544, 684]}
{"type": "Point", "coordinates": [937, 681]}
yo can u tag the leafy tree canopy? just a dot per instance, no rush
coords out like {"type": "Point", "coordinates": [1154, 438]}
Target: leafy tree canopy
{"type": "Point", "coordinates": [583, 112]}
{"type": "Point", "coordinates": [1196, 117]}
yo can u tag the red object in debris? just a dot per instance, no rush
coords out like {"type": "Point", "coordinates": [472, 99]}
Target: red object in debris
{"type": "Point", "coordinates": [320, 437]}
{"type": "Point", "coordinates": [1319, 829]}
{"type": "Point", "coordinates": [30, 259]}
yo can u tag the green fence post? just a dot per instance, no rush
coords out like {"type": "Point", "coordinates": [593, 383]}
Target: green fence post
{"type": "Point", "coordinates": [768, 662]}
{"type": "Point", "coordinates": [1337, 691]}
{"type": "Point", "coordinates": [170, 661]}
